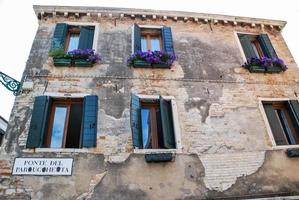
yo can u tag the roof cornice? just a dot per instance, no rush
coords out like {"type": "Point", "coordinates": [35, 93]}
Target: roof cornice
{"type": "Point", "coordinates": [41, 11]}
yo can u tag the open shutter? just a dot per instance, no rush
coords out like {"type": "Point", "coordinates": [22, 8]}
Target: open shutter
{"type": "Point", "coordinates": [167, 124]}
{"type": "Point", "coordinates": [38, 121]}
{"type": "Point", "coordinates": [137, 38]}
{"type": "Point", "coordinates": [293, 108]}
{"type": "Point", "coordinates": [167, 39]}
{"type": "Point", "coordinates": [86, 37]}
{"type": "Point", "coordinates": [90, 113]}
{"type": "Point", "coordinates": [247, 48]}
{"type": "Point", "coordinates": [136, 121]}
{"type": "Point", "coordinates": [275, 125]}
{"type": "Point", "coordinates": [267, 46]}
{"type": "Point", "coordinates": [59, 35]}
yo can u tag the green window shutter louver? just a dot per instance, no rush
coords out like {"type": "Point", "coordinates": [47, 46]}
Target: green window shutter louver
{"type": "Point", "coordinates": [90, 115]}
{"type": "Point", "coordinates": [293, 108]}
{"type": "Point", "coordinates": [38, 122]}
{"type": "Point", "coordinates": [274, 122]}
{"type": "Point", "coordinates": [246, 45]}
{"type": "Point", "coordinates": [136, 121]}
{"type": "Point", "coordinates": [137, 38]}
{"type": "Point", "coordinates": [167, 124]}
{"type": "Point", "coordinates": [167, 39]}
{"type": "Point", "coordinates": [59, 35]}
{"type": "Point", "coordinates": [86, 37]}
{"type": "Point", "coordinates": [266, 46]}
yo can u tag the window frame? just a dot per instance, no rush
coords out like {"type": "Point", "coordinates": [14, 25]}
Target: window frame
{"type": "Point", "coordinates": [273, 146]}
{"type": "Point", "coordinates": [60, 150]}
{"type": "Point", "coordinates": [149, 35]}
{"type": "Point", "coordinates": [95, 35]}
{"type": "Point", "coordinates": [176, 126]}
{"type": "Point", "coordinates": [239, 42]}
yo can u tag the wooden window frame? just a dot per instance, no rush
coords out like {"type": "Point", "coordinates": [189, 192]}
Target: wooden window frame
{"type": "Point", "coordinates": [148, 34]}
{"type": "Point", "coordinates": [71, 30]}
{"type": "Point", "coordinates": [60, 103]}
{"type": "Point", "coordinates": [258, 47]}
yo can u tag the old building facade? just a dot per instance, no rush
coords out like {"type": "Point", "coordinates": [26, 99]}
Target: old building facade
{"type": "Point", "coordinates": [225, 130]}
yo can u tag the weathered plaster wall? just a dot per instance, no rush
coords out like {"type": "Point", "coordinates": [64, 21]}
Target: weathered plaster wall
{"type": "Point", "coordinates": [226, 147]}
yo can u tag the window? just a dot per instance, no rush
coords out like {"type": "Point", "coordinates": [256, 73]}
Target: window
{"type": "Point", "coordinates": [152, 38]}
{"type": "Point", "coordinates": [283, 118]}
{"type": "Point", "coordinates": [152, 123]}
{"type": "Point", "coordinates": [256, 46]}
{"type": "Point", "coordinates": [72, 37]}
{"type": "Point", "coordinates": [63, 122]}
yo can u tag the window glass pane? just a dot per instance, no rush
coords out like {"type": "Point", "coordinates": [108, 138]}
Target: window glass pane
{"type": "Point", "coordinates": [74, 41]}
{"type": "Point", "coordinates": [155, 44]}
{"type": "Point", "coordinates": [143, 44]}
{"type": "Point", "coordinates": [58, 127]}
{"type": "Point", "coordinates": [145, 124]}
{"type": "Point", "coordinates": [255, 50]}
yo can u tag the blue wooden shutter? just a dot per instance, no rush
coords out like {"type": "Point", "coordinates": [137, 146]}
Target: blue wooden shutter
{"type": "Point", "coordinates": [274, 122]}
{"type": "Point", "coordinates": [136, 121]}
{"type": "Point", "coordinates": [266, 46]}
{"type": "Point", "coordinates": [86, 37]}
{"type": "Point", "coordinates": [246, 45]}
{"type": "Point", "coordinates": [38, 122]}
{"type": "Point", "coordinates": [90, 113]}
{"type": "Point", "coordinates": [167, 124]}
{"type": "Point", "coordinates": [293, 108]}
{"type": "Point", "coordinates": [167, 39]}
{"type": "Point", "coordinates": [59, 35]}
{"type": "Point", "coordinates": [137, 38]}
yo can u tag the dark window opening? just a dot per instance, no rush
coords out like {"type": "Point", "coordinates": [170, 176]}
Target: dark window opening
{"type": "Point", "coordinates": [283, 117]}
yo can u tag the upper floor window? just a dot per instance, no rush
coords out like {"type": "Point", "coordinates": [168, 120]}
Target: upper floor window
{"type": "Point", "coordinates": [152, 123]}
{"type": "Point", "coordinates": [283, 118]}
{"type": "Point", "coordinates": [256, 46]}
{"type": "Point", "coordinates": [70, 37]}
{"type": "Point", "coordinates": [151, 39]}
{"type": "Point", "coordinates": [63, 122]}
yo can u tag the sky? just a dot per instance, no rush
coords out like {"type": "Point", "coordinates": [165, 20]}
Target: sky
{"type": "Point", "coordinates": [19, 24]}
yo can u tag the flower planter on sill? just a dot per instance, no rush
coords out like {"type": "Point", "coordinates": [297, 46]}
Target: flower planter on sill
{"type": "Point", "coordinates": [161, 66]}
{"type": "Point", "coordinates": [62, 62]}
{"type": "Point", "coordinates": [256, 69]}
{"type": "Point", "coordinates": [141, 63]}
{"type": "Point", "coordinates": [159, 157]}
{"type": "Point", "coordinates": [82, 63]}
{"type": "Point", "coordinates": [274, 69]}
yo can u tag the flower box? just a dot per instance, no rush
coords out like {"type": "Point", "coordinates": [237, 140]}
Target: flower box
{"type": "Point", "coordinates": [161, 65]}
{"type": "Point", "coordinates": [274, 69]}
{"type": "Point", "coordinates": [82, 63]}
{"type": "Point", "coordinates": [257, 69]}
{"type": "Point", "coordinates": [62, 62]}
{"type": "Point", "coordinates": [141, 63]}
{"type": "Point", "coordinates": [159, 157]}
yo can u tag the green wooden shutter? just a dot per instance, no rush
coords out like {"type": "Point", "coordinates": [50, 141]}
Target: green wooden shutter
{"type": "Point", "coordinates": [90, 115]}
{"type": "Point", "coordinates": [167, 124]}
{"type": "Point", "coordinates": [293, 108]}
{"type": "Point", "coordinates": [136, 121]}
{"type": "Point", "coordinates": [86, 37]}
{"type": "Point", "coordinates": [38, 122]}
{"type": "Point", "coordinates": [246, 45]}
{"type": "Point", "coordinates": [167, 39]}
{"type": "Point", "coordinates": [274, 122]}
{"type": "Point", "coordinates": [266, 45]}
{"type": "Point", "coordinates": [59, 35]}
{"type": "Point", "coordinates": [137, 38]}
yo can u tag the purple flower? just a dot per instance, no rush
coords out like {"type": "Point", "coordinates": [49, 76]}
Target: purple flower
{"type": "Point", "coordinates": [153, 57]}
{"type": "Point", "coordinates": [265, 62]}
{"type": "Point", "coordinates": [87, 54]}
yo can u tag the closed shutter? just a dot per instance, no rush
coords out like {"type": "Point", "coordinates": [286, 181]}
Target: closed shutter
{"type": "Point", "coordinates": [90, 113]}
{"type": "Point", "coordinates": [293, 108]}
{"type": "Point", "coordinates": [38, 122]}
{"type": "Point", "coordinates": [167, 124]}
{"type": "Point", "coordinates": [137, 38]}
{"type": "Point", "coordinates": [59, 36]}
{"type": "Point", "coordinates": [136, 121]}
{"type": "Point", "coordinates": [167, 39]}
{"type": "Point", "coordinates": [266, 46]}
{"type": "Point", "coordinates": [86, 37]}
{"type": "Point", "coordinates": [246, 45]}
{"type": "Point", "coordinates": [275, 125]}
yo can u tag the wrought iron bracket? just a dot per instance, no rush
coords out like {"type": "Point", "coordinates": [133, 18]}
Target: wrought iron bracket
{"type": "Point", "coordinates": [11, 84]}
